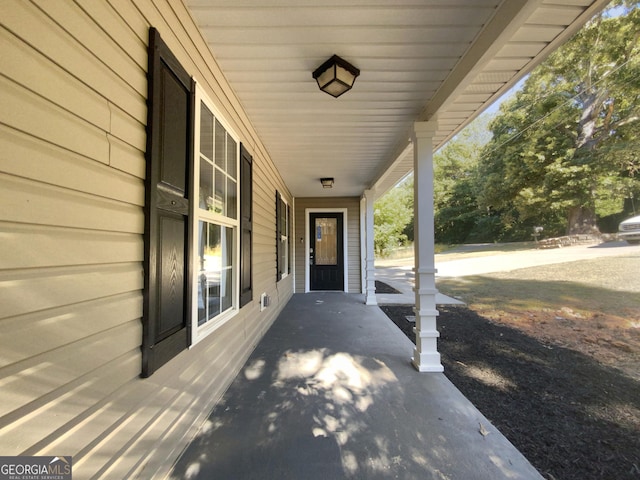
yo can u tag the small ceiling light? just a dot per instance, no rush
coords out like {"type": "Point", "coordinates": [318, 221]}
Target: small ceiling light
{"type": "Point", "coordinates": [336, 76]}
{"type": "Point", "coordinates": [326, 182]}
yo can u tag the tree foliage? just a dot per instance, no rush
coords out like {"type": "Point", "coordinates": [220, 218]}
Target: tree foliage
{"type": "Point", "coordinates": [393, 212]}
{"type": "Point", "coordinates": [557, 150]}
{"type": "Point", "coordinates": [562, 153]}
{"type": "Point", "coordinates": [455, 180]}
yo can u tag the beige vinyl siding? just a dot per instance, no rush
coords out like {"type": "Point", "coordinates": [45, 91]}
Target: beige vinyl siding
{"type": "Point", "coordinates": [72, 140]}
{"type": "Point", "coordinates": [352, 204]}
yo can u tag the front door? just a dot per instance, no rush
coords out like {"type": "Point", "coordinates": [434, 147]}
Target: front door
{"type": "Point", "coordinates": [326, 251]}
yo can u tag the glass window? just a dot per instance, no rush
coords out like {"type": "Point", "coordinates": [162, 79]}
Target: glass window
{"type": "Point", "coordinates": [282, 226]}
{"type": "Point", "coordinates": [206, 132]}
{"type": "Point", "coordinates": [326, 241]}
{"type": "Point", "coordinates": [218, 166]}
{"type": "Point", "coordinates": [210, 262]}
{"type": "Point", "coordinates": [215, 220]}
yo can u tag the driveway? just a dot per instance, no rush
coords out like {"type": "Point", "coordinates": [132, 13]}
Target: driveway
{"type": "Point", "coordinates": [506, 261]}
{"type": "Point", "coordinates": [479, 259]}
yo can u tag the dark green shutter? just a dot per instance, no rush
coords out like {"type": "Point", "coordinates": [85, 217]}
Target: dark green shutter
{"type": "Point", "coordinates": [246, 227]}
{"type": "Point", "coordinates": [167, 193]}
{"type": "Point", "coordinates": [290, 237]}
{"type": "Point", "coordinates": [278, 236]}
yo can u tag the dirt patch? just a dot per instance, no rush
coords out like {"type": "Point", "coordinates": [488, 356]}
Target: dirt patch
{"type": "Point", "coordinates": [570, 413]}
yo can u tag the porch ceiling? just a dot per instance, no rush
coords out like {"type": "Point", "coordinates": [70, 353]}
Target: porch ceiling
{"type": "Point", "coordinates": [418, 59]}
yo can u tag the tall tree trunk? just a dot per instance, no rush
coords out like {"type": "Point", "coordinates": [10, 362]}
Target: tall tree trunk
{"type": "Point", "coordinates": [581, 220]}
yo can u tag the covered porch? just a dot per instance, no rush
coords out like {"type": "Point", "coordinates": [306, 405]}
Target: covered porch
{"type": "Point", "coordinates": [108, 353]}
{"type": "Point", "coordinates": [329, 393]}
{"type": "Point", "coordinates": [420, 72]}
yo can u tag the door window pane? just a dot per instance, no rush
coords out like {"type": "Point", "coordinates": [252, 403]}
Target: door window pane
{"type": "Point", "coordinates": [326, 251]}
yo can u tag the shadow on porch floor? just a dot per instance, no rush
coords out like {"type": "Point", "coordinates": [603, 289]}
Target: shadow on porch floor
{"type": "Point", "coordinates": [329, 393]}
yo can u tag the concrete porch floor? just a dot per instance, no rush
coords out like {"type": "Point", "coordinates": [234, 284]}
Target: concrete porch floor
{"type": "Point", "coordinates": [329, 393]}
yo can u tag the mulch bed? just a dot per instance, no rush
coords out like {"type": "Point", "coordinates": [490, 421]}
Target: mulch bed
{"type": "Point", "coordinates": [382, 287]}
{"type": "Point", "coordinates": [572, 417]}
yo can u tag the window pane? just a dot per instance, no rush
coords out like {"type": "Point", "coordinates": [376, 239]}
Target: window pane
{"type": "Point", "coordinates": [226, 292]}
{"type": "Point", "coordinates": [326, 241]}
{"type": "Point", "coordinates": [227, 289]}
{"type": "Point", "coordinates": [231, 199]}
{"type": "Point", "coordinates": [283, 257]}
{"type": "Point", "coordinates": [210, 261]}
{"type": "Point", "coordinates": [228, 247]}
{"type": "Point", "coordinates": [217, 192]}
{"type": "Point", "coordinates": [206, 185]}
{"type": "Point", "coordinates": [215, 278]}
{"type": "Point", "coordinates": [290, 240]}
{"type": "Point", "coordinates": [221, 181]}
{"type": "Point", "coordinates": [202, 278]}
{"type": "Point", "coordinates": [221, 154]}
{"type": "Point", "coordinates": [283, 218]}
{"type": "Point", "coordinates": [206, 132]}
{"type": "Point", "coordinates": [231, 156]}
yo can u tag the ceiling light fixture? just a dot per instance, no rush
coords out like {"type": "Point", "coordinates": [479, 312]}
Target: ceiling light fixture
{"type": "Point", "coordinates": [336, 76]}
{"type": "Point", "coordinates": [326, 182]}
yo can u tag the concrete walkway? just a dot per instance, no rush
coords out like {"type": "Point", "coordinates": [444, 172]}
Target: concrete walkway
{"type": "Point", "coordinates": [402, 279]}
{"type": "Point", "coordinates": [329, 394]}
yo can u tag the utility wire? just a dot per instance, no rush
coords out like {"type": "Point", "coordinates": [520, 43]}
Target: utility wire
{"type": "Point", "coordinates": [569, 100]}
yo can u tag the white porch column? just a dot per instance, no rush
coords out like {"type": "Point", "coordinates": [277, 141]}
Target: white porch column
{"type": "Point", "coordinates": [425, 356]}
{"type": "Point", "coordinates": [370, 294]}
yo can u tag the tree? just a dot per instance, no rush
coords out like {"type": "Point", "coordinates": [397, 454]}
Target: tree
{"type": "Point", "coordinates": [556, 148]}
{"type": "Point", "coordinates": [392, 213]}
{"type": "Point", "coordinates": [455, 206]}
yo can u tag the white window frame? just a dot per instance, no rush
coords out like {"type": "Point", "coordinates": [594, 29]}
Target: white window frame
{"type": "Point", "coordinates": [199, 332]}
{"type": "Point", "coordinates": [287, 240]}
